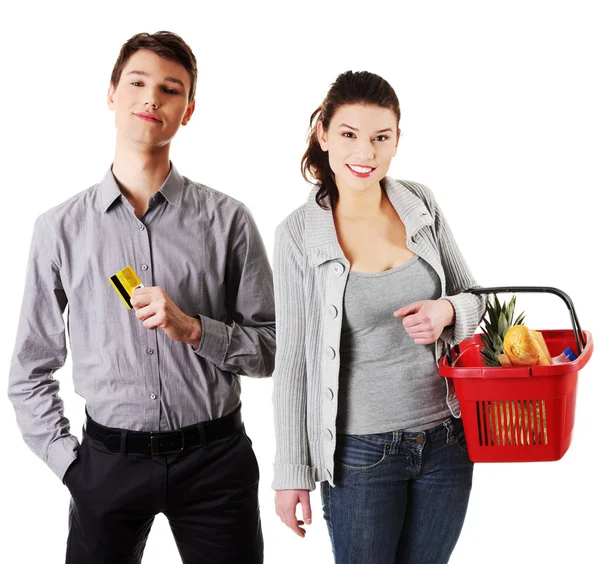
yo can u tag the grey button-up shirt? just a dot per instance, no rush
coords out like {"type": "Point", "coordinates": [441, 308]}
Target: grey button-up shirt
{"type": "Point", "coordinates": [203, 248]}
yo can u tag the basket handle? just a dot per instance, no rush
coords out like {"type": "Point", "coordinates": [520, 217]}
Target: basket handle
{"type": "Point", "coordinates": [579, 336]}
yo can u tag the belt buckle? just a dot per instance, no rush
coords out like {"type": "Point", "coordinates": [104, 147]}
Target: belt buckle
{"type": "Point", "coordinates": [155, 449]}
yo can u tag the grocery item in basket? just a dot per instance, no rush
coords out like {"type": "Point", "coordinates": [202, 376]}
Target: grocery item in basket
{"type": "Point", "coordinates": [496, 321]}
{"type": "Point", "coordinates": [566, 356]}
{"type": "Point", "coordinates": [525, 347]}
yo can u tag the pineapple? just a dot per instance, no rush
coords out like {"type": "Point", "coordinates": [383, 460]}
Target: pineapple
{"type": "Point", "coordinates": [497, 320]}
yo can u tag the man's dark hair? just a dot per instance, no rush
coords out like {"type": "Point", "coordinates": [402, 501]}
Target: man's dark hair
{"type": "Point", "coordinates": [165, 44]}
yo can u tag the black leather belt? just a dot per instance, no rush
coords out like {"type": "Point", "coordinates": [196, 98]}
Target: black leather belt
{"type": "Point", "coordinates": [165, 442]}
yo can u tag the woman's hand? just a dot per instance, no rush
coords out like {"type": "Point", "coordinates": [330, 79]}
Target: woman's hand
{"type": "Point", "coordinates": [285, 507]}
{"type": "Point", "coordinates": [425, 320]}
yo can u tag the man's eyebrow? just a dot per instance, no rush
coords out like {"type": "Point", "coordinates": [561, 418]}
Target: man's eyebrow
{"type": "Point", "coordinates": [166, 79]}
{"type": "Point", "coordinates": [175, 80]}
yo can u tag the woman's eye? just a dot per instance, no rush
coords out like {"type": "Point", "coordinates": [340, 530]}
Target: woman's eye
{"type": "Point", "coordinates": [348, 134]}
{"type": "Point", "coordinates": [381, 138]}
{"type": "Point", "coordinates": [136, 83]}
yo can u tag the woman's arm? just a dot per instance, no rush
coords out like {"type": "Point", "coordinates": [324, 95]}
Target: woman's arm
{"type": "Point", "coordinates": [468, 308]}
{"type": "Point", "coordinates": [292, 464]}
{"type": "Point", "coordinates": [293, 475]}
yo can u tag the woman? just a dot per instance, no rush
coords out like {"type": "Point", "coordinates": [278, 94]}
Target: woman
{"type": "Point", "coordinates": [369, 284]}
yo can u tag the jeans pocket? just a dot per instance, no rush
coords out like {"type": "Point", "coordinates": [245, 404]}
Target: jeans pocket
{"type": "Point", "coordinates": [460, 440]}
{"type": "Point", "coordinates": [354, 452]}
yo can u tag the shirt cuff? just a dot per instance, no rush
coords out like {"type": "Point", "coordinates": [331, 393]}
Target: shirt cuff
{"type": "Point", "coordinates": [293, 477]}
{"type": "Point", "coordinates": [213, 340]}
{"type": "Point", "coordinates": [61, 454]}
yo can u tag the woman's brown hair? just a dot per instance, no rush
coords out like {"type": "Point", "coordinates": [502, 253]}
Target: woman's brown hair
{"type": "Point", "coordinates": [349, 88]}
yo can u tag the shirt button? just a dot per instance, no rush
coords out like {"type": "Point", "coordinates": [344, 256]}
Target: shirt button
{"type": "Point", "coordinates": [329, 393]}
{"type": "Point", "coordinates": [152, 396]}
{"type": "Point", "coordinates": [327, 434]}
{"type": "Point", "coordinates": [337, 269]}
{"type": "Point", "coordinates": [141, 227]}
{"type": "Point", "coordinates": [330, 353]}
{"type": "Point", "coordinates": [332, 311]}
{"type": "Point", "coordinates": [144, 267]}
{"type": "Point", "coordinates": [150, 351]}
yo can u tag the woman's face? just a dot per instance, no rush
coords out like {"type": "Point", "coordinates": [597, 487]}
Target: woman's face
{"type": "Point", "coordinates": [361, 141]}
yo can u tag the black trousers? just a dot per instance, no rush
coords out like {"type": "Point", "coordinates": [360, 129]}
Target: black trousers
{"type": "Point", "coordinates": [208, 493]}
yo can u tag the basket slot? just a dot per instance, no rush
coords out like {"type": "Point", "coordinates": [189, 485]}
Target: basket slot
{"type": "Point", "coordinates": [545, 426]}
{"type": "Point", "coordinates": [502, 423]}
{"type": "Point", "coordinates": [512, 423]}
{"type": "Point", "coordinates": [515, 428]}
{"type": "Point", "coordinates": [522, 417]}
{"type": "Point", "coordinates": [536, 421]}
{"type": "Point", "coordinates": [480, 423]}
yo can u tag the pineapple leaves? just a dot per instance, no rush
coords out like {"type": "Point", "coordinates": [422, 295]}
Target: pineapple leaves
{"type": "Point", "coordinates": [497, 320]}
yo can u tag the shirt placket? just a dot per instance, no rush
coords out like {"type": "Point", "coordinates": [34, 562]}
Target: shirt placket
{"type": "Point", "coordinates": [145, 270]}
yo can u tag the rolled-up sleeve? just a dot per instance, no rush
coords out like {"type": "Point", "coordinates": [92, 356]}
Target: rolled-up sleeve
{"type": "Point", "coordinates": [40, 350]}
{"type": "Point", "coordinates": [246, 345]}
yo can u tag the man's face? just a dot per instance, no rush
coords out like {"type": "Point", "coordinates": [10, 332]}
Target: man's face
{"type": "Point", "coordinates": [151, 99]}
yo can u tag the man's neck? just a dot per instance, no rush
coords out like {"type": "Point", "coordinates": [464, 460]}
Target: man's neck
{"type": "Point", "coordinates": [140, 174]}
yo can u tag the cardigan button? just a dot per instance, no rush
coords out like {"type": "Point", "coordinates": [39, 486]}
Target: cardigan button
{"type": "Point", "coordinates": [330, 353]}
{"type": "Point", "coordinates": [337, 269]}
{"type": "Point", "coordinates": [332, 311]}
{"type": "Point", "coordinates": [327, 434]}
{"type": "Point", "coordinates": [329, 393]}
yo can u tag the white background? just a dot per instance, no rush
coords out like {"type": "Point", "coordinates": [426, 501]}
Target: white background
{"type": "Point", "coordinates": [500, 117]}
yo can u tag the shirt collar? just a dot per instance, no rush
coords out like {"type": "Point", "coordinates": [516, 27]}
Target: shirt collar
{"type": "Point", "coordinates": [320, 235]}
{"type": "Point", "coordinates": [171, 189]}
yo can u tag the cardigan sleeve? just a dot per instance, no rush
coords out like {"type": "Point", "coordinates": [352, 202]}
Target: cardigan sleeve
{"type": "Point", "coordinates": [468, 308]}
{"type": "Point", "coordinates": [292, 465]}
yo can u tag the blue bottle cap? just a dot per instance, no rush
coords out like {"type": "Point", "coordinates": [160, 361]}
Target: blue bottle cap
{"type": "Point", "coordinates": [569, 354]}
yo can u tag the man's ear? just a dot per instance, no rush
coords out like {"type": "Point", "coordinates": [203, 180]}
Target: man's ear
{"type": "Point", "coordinates": [110, 97]}
{"type": "Point", "coordinates": [322, 135]}
{"type": "Point", "coordinates": [188, 113]}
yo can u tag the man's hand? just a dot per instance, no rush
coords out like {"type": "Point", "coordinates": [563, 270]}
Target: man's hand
{"type": "Point", "coordinates": [425, 320]}
{"type": "Point", "coordinates": [155, 309]}
{"type": "Point", "coordinates": [285, 506]}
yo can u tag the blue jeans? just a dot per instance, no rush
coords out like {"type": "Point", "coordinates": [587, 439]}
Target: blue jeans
{"type": "Point", "coordinates": [400, 497]}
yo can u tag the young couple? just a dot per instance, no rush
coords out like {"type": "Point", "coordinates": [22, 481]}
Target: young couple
{"type": "Point", "coordinates": [368, 291]}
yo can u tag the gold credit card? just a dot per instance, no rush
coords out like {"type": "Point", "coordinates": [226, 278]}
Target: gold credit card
{"type": "Point", "coordinates": [125, 282]}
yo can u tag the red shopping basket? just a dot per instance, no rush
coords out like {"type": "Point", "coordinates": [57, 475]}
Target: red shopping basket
{"type": "Point", "coordinates": [518, 414]}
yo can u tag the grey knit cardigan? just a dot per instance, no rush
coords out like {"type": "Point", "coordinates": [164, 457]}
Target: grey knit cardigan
{"type": "Point", "coordinates": [310, 274]}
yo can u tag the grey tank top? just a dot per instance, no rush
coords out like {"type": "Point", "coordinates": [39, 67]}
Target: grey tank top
{"type": "Point", "coordinates": [387, 382]}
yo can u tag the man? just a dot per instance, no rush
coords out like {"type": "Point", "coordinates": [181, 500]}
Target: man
{"type": "Point", "coordinates": [160, 380]}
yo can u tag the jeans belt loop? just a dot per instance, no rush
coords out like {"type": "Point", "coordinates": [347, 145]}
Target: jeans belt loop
{"type": "Point", "coordinates": [449, 431]}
